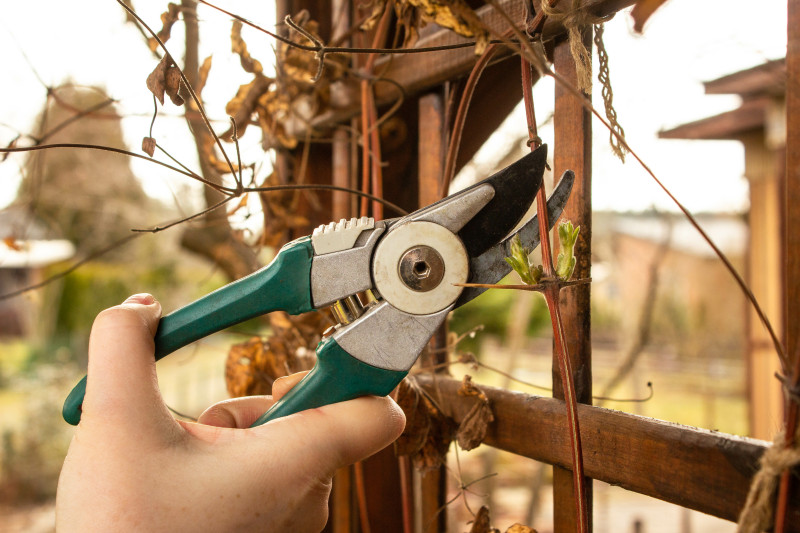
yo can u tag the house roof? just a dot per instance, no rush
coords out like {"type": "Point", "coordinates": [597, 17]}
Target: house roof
{"type": "Point", "coordinates": [31, 243]}
{"type": "Point", "coordinates": [758, 86]}
{"type": "Point", "coordinates": [767, 78]}
{"type": "Point", "coordinates": [750, 116]}
{"type": "Point", "coordinates": [35, 253]}
{"type": "Point", "coordinates": [729, 232]}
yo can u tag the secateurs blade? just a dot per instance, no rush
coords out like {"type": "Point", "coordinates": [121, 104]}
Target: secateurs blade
{"type": "Point", "coordinates": [410, 267]}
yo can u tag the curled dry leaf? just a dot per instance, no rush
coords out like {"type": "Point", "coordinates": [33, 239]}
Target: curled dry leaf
{"type": "Point", "coordinates": [156, 79]}
{"type": "Point", "coordinates": [473, 428]}
{"type": "Point", "coordinates": [209, 153]}
{"type": "Point", "coordinates": [165, 78]}
{"type": "Point", "coordinates": [453, 14]}
{"type": "Point", "coordinates": [428, 431]}
{"type": "Point", "coordinates": [149, 146]}
{"type": "Point", "coordinates": [253, 366]}
{"type": "Point", "coordinates": [168, 18]}
{"type": "Point", "coordinates": [519, 528]}
{"type": "Point", "coordinates": [202, 77]}
{"type": "Point", "coordinates": [284, 107]}
{"type": "Point", "coordinates": [642, 11]}
{"type": "Point", "coordinates": [244, 104]}
{"type": "Point", "coordinates": [238, 46]}
{"type": "Point", "coordinates": [172, 81]}
{"type": "Point", "coordinates": [482, 523]}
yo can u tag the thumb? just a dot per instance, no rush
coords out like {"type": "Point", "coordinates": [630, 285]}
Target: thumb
{"type": "Point", "coordinates": [122, 385]}
{"type": "Point", "coordinates": [338, 434]}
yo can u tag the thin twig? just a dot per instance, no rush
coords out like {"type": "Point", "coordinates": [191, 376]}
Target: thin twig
{"type": "Point", "coordinates": [319, 186]}
{"type": "Point", "coordinates": [186, 172]}
{"type": "Point", "coordinates": [544, 285]}
{"type": "Point", "coordinates": [214, 207]}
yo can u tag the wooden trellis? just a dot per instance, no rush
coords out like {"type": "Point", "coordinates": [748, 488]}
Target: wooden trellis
{"type": "Point", "coordinates": [693, 468]}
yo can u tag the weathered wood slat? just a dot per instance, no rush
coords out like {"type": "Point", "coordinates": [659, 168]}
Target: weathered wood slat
{"type": "Point", "coordinates": [573, 151]}
{"type": "Point", "coordinates": [695, 468]}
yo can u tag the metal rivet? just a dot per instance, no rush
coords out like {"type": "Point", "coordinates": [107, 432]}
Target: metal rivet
{"type": "Point", "coordinates": [421, 268]}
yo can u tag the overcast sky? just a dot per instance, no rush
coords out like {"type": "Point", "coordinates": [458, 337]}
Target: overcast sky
{"type": "Point", "coordinates": [657, 80]}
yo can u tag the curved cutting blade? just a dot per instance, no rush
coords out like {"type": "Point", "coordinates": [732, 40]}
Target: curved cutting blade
{"type": "Point", "coordinates": [515, 188]}
{"type": "Point", "coordinates": [491, 266]}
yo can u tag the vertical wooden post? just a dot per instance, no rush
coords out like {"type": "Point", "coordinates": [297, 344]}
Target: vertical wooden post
{"type": "Point", "coordinates": [784, 516]}
{"type": "Point", "coordinates": [792, 225]}
{"type": "Point", "coordinates": [573, 150]}
{"type": "Point", "coordinates": [432, 486]}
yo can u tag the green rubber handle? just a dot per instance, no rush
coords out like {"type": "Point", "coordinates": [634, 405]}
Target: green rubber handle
{"type": "Point", "coordinates": [337, 376]}
{"type": "Point", "coordinates": [284, 284]}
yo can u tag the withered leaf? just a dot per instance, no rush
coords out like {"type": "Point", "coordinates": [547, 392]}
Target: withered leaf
{"type": "Point", "coordinates": [165, 78]}
{"type": "Point", "coordinates": [482, 523]}
{"type": "Point", "coordinates": [202, 77]}
{"type": "Point", "coordinates": [238, 46]}
{"type": "Point", "coordinates": [642, 11]}
{"type": "Point", "coordinates": [156, 81]}
{"type": "Point", "coordinates": [149, 146]}
{"type": "Point", "coordinates": [519, 528]}
{"type": "Point", "coordinates": [172, 82]}
{"type": "Point", "coordinates": [473, 428]}
{"type": "Point", "coordinates": [455, 15]}
{"type": "Point", "coordinates": [428, 435]}
{"type": "Point", "coordinates": [168, 18]}
{"type": "Point", "coordinates": [253, 366]}
{"type": "Point", "coordinates": [244, 104]}
{"type": "Point", "coordinates": [220, 165]}
{"type": "Point", "coordinates": [418, 421]}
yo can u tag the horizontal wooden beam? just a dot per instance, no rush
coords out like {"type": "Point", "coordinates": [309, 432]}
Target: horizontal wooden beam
{"type": "Point", "coordinates": [419, 72]}
{"type": "Point", "coordinates": [695, 468]}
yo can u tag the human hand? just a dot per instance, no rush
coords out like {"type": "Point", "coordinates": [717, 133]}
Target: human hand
{"type": "Point", "coordinates": [132, 467]}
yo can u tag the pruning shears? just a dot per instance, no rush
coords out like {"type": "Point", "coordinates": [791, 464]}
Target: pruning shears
{"type": "Point", "coordinates": [408, 267]}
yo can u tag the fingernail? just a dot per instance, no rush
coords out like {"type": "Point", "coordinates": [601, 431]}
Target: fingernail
{"type": "Point", "coordinates": [142, 299]}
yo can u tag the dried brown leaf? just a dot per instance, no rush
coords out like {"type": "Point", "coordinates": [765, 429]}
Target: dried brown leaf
{"type": "Point", "coordinates": [455, 15]}
{"type": "Point", "coordinates": [428, 432]}
{"type": "Point", "coordinates": [149, 146]}
{"type": "Point", "coordinates": [482, 523]}
{"type": "Point", "coordinates": [238, 46]}
{"type": "Point", "coordinates": [408, 18]}
{"type": "Point", "coordinates": [168, 19]}
{"type": "Point", "coordinates": [519, 528]}
{"type": "Point", "coordinates": [156, 81]}
{"type": "Point", "coordinates": [418, 421]}
{"type": "Point", "coordinates": [243, 105]}
{"type": "Point", "coordinates": [202, 77]}
{"type": "Point", "coordinates": [642, 11]}
{"type": "Point", "coordinates": [473, 428]}
{"type": "Point", "coordinates": [253, 366]}
{"type": "Point", "coordinates": [210, 155]}
{"type": "Point", "coordinates": [172, 83]}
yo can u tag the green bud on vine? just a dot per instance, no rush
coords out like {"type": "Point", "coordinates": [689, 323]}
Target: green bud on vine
{"type": "Point", "coordinates": [529, 274]}
{"type": "Point", "coordinates": [567, 236]}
